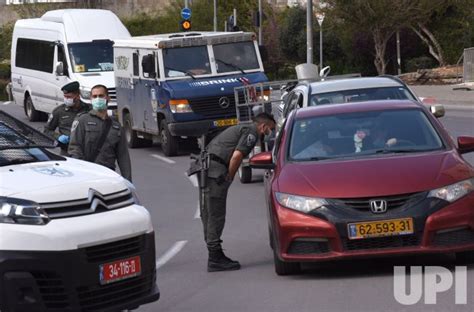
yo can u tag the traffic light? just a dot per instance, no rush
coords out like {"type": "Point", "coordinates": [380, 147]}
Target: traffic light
{"type": "Point", "coordinates": [186, 25]}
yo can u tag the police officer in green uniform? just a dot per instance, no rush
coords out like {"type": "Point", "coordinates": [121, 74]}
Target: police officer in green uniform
{"type": "Point", "coordinates": [98, 138]}
{"type": "Point", "coordinates": [226, 152]}
{"type": "Point", "coordinates": [64, 114]}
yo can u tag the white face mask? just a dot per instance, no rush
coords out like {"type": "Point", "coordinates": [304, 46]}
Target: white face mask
{"type": "Point", "coordinates": [69, 102]}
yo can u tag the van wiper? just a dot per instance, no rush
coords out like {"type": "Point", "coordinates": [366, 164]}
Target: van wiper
{"type": "Point", "coordinates": [187, 72]}
{"type": "Point", "coordinates": [18, 162]}
{"type": "Point", "coordinates": [231, 65]}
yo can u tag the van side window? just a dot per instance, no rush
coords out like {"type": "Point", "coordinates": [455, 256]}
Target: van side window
{"type": "Point", "coordinates": [43, 52]}
{"type": "Point", "coordinates": [136, 67]}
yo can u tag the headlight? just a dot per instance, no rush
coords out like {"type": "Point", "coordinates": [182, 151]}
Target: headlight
{"type": "Point", "coordinates": [454, 191]}
{"type": "Point", "coordinates": [180, 106]}
{"type": "Point", "coordinates": [300, 203]}
{"type": "Point", "coordinates": [133, 190]}
{"type": "Point", "coordinates": [20, 211]}
{"type": "Point", "coordinates": [85, 94]}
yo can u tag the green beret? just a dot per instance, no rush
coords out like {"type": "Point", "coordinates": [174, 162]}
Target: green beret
{"type": "Point", "coordinates": [70, 87]}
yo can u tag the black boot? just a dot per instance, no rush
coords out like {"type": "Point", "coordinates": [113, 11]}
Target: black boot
{"type": "Point", "coordinates": [218, 261]}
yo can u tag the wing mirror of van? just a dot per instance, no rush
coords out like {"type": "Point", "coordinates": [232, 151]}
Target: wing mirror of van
{"type": "Point", "coordinates": [148, 66]}
{"type": "Point", "coordinates": [59, 69]}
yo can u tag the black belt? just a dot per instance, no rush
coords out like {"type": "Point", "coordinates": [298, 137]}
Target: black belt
{"type": "Point", "coordinates": [217, 159]}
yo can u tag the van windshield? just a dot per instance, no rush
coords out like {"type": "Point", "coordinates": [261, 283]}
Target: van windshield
{"type": "Point", "coordinates": [188, 61]}
{"type": "Point", "coordinates": [95, 56]}
{"type": "Point", "coordinates": [236, 56]}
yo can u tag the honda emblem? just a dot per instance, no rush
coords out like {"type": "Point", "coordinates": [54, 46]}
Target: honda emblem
{"type": "Point", "coordinates": [378, 206]}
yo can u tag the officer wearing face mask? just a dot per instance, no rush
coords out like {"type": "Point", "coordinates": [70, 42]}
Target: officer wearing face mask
{"type": "Point", "coordinates": [98, 138]}
{"type": "Point", "coordinates": [64, 114]}
{"type": "Point", "coordinates": [226, 152]}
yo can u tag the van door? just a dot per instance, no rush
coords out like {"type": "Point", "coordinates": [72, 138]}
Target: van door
{"type": "Point", "coordinates": [149, 89]}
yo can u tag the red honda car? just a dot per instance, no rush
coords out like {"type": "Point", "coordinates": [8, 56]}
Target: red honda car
{"type": "Point", "coordinates": [367, 179]}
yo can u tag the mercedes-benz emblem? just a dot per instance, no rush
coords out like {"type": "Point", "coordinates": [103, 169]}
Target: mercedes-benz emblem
{"type": "Point", "coordinates": [224, 102]}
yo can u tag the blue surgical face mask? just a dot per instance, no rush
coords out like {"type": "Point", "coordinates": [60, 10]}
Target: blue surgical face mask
{"type": "Point", "coordinates": [68, 102]}
{"type": "Point", "coordinates": [99, 104]}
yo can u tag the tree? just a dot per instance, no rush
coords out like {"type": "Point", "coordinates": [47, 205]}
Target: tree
{"type": "Point", "coordinates": [380, 18]}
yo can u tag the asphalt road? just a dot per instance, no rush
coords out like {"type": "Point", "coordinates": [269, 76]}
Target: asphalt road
{"type": "Point", "coordinates": [172, 198]}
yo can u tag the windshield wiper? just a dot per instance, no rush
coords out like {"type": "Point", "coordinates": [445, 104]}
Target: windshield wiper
{"type": "Point", "coordinates": [18, 162]}
{"type": "Point", "coordinates": [231, 65]}
{"type": "Point", "coordinates": [187, 72]}
{"type": "Point", "coordinates": [401, 150]}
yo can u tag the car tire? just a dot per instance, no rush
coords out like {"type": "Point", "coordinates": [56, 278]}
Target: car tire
{"type": "Point", "coordinates": [465, 257]}
{"type": "Point", "coordinates": [245, 174]}
{"type": "Point", "coordinates": [131, 136]}
{"type": "Point", "coordinates": [283, 267]}
{"type": "Point", "coordinates": [30, 110]}
{"type": "Point", "coordinates": [169, 143]}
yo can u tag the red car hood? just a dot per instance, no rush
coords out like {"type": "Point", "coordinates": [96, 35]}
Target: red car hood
{"type": "Point", "coordinates": [385, 175]}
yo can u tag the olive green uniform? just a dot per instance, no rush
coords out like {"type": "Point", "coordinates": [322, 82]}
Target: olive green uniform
{"type": "Point", "coordinates": [62, 118]}
{"type": "Point", "coordinates": [85, 136]}
{"type": "Point", "coordinates": [220, 149]}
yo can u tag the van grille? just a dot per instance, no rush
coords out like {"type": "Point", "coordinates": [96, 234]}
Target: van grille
{"type": "Point", "coordinates": [96, 298]}
{"type": "Point", "coordinates": [115, 250]}
{"type": "Point", "coordinates": [112, 94]}
{"type": "Point", "coordinates": [95, 203]}
{"type": "Point", "coordinates": [52, 290]}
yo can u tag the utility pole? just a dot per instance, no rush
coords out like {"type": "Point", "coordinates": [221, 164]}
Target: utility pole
{"type": "Point", "coordinates": [309, 32]}
{"type": "Point", "coordinates": [320, 18]}
{"type": "Point", "coordinates": [260, 17]}
{"type": "Point", "coordinates": [215, 15]}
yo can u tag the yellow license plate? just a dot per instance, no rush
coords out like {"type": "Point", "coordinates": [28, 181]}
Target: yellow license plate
{"type": "Point", "coordinates": [225, 122]}
{"type": "Point", "coordinates": [380, 228]}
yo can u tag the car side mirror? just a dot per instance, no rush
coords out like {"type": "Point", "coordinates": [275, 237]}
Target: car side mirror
{"type": "Point", "coordinates": [437, 110]}
{"type": "Point", "coordinates": [262, 161]}
{"type": "Point", "coordinates": [465, 144]}
{"type": "Point", "coordinates": [148, 65]}
{"type": "Point", "coordinates": [59, 70]}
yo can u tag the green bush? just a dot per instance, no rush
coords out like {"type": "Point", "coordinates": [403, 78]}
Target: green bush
{"type": "Point", "coordinates": [3, 92]}
{"type": "Point", "coordinates": [422, 62]}
{"type": "Point", "coordinates": [4, 71]}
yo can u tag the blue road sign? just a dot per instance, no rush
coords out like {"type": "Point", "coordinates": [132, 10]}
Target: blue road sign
{"type": "Point", "coordinates": [186, 13]}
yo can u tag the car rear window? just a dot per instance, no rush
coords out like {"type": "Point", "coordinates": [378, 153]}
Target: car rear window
{"type": "Point", "coordinates": [361, 95]}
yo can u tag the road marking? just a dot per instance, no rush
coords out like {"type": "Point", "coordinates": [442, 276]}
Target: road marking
{"type": "Point", "coordinates": [197, 215]}
{"type": "Point", "coordinates": [8, 102]}
{"type": "Point", "coordinates": [173, 251]}
{"type": "Point", "coordinates": [166, 160]}
{"type": "Point", "coordinates": [193, 179]}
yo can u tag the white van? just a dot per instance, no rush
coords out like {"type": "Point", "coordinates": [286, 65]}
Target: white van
{"type": "Point", "coordinates": [60, 47]}
{"type": "Point", "coordinates": [73, 235]}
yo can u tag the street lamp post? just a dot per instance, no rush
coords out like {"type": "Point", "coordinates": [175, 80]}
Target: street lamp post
{"type": "Point", "coordinates": [320, 18]}
{"type": "Point", "coordinates": [309, 32]}
{"type": "Point", "coordinates": [215, 15]}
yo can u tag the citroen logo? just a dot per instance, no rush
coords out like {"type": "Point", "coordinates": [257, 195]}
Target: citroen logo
{"type": "Point", "coordinates": [378, 206]}
{"type": "Point", "coordinates": [224, 102]}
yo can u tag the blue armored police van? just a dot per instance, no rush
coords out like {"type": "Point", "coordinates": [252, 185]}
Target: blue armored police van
{"type": "Point", "coordinates": [175, 86]}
